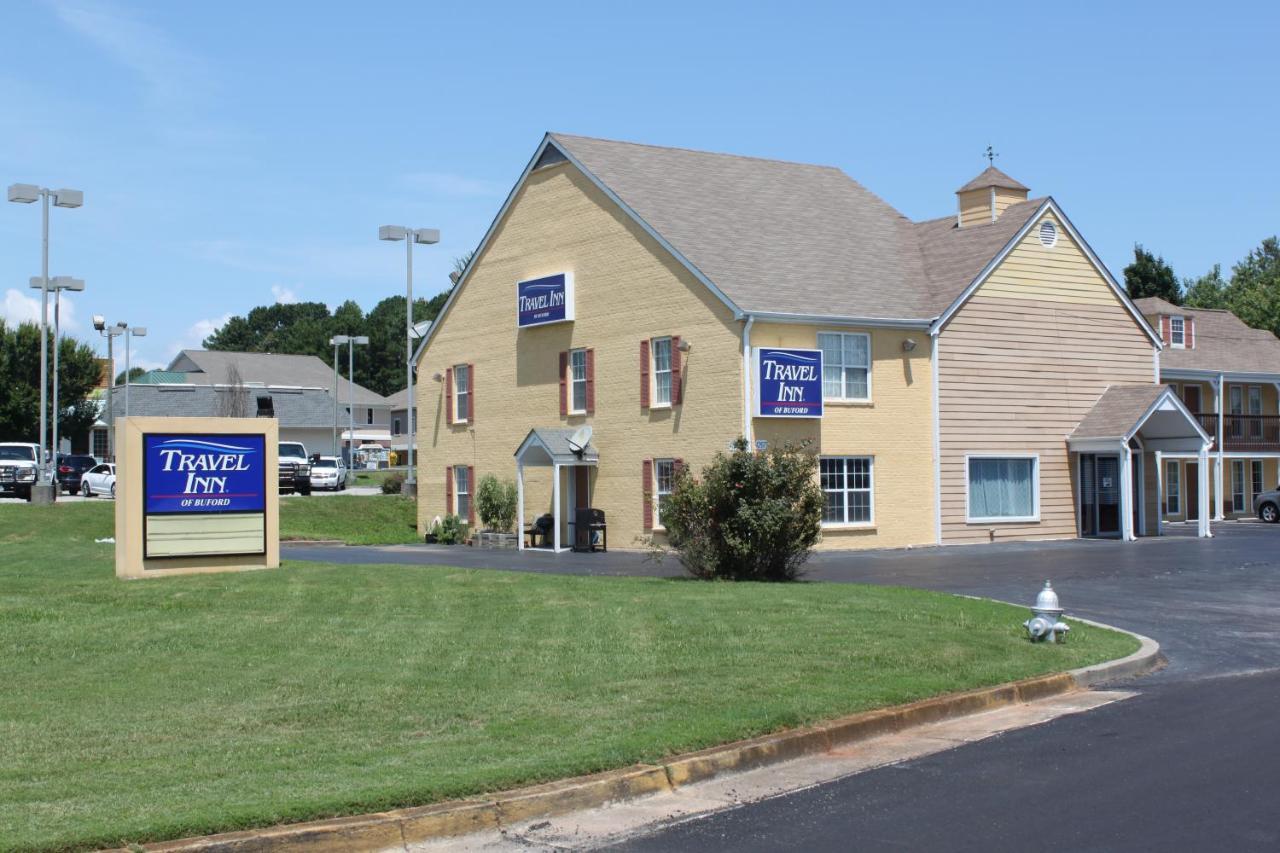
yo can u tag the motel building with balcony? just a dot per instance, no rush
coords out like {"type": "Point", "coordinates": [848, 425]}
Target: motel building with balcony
{"type": "Point", "coordinates": [633, 309]}
{"type": "Point", "coordinates": [1228, 375]}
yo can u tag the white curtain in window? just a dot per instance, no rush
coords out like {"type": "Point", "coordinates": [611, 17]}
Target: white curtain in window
{"type": "Point", "coordinates": [1001, 488]}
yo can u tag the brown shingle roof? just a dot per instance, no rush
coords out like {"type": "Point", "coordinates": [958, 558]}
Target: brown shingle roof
{"type": "Point", "coordinates": [1222, 342]}
{"type": "Point", "coordinates": [783, 237]}
{"type": "Point", "coordinates": [993, 177]}
{"type": "Point", "coordinates": [1117, 411]}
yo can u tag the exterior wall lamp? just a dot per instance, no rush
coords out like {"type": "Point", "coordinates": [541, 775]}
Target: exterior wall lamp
{"type": "Point", "coordinates": [908, 345]}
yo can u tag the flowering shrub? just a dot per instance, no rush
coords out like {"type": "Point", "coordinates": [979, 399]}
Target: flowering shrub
{"type": "Point", "coordinates": [752, 516]}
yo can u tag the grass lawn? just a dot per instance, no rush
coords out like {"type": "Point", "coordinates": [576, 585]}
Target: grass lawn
{"type": "Point", "coordinates": [355, 519]}
{"type": "Point", "coordinates": [143, 710]}
{"type": "Point", "coordinates": [366, 477]}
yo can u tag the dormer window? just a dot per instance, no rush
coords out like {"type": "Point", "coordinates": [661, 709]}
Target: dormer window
{"type": "Point", "coordinates": [1177, 332]}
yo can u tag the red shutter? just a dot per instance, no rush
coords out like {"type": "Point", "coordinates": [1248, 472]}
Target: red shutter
{"type": "Point", "coordinates": [644, 375]}
{"type": "Point", "coordinates": [1190, 334]}
{"type": "Point", "coordinates": [448, 490]}
{"type": "Point", "coordinates": [471, 496]}
{"type": "Point", "coordinates": [448, 395]}
{"type": "Point", "coordinates": [591, 381]}
{"type": "Point", "coordinates": [471, 393]}
{"type": "Point", "coordinates": [1165, 334]}
{"type": "Point", "coordinates": [648, 494]}
{"type": "Point", "coordinates": [564, 384]}
{"type": "Point", "coordinates": [677, 393]}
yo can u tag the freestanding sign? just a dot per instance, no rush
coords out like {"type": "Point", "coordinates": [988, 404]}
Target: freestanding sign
{"type": "Point", "coordinates": [196, 494]}
{"type": "Point", "coordinates": [544, 300]}
{"type": "Point", "coordinates": [788, 383]}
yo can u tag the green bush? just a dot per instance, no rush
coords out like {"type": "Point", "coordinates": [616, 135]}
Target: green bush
{"type": "Point", "coordinates": [496, 503]}
{"type": "Point", "coordinates": [391, 485]}
{"type": "Point", "coordinates": [451, 530]}
{"type": "Point", "coordinates": [753, 516]}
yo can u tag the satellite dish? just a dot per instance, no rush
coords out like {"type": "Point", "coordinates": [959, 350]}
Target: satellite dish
{"type": "Point", "coordinates": [579, 440]}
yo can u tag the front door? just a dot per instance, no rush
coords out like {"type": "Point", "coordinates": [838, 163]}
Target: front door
{"type": "Point", "coordinates": [1193, 491]}
{"type": "Point", "coordinates": [579, 498]}
{"type": "Point", "coordinates": [1099, 495]}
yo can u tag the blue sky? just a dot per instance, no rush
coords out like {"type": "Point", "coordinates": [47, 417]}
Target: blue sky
{"type": "Point", "coordinates": [235, 153]}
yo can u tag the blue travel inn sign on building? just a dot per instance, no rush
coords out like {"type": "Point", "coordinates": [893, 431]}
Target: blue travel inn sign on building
{"type": "Point", "coordinates": [788, 383]}
{"type": "Point", "coordinates": [544, 300]}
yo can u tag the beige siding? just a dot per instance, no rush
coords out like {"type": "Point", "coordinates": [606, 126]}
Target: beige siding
{"type": "Point", "coordinates": [1005, 197]}
{"type": "Point", "coordinates": [975, 207]}
{"type": "Point", "coordinates": [1019, 365]}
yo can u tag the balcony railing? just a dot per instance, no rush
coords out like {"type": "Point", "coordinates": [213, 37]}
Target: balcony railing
{"type": "Point", "coordinates": [1244, 433]}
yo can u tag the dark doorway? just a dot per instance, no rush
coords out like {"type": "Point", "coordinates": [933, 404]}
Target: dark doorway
{"type": "Point", "coordinates": [1193, 490]}
{"type": "Point", "coordinates": [1191, 396]}
{"type": "Point", "coordinates": [1099, 495]}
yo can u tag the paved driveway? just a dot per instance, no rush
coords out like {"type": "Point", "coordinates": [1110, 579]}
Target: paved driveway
{"type": "Point", "coordinates": [1189, 764]}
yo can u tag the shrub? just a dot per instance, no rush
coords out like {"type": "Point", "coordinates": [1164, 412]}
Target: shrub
{"type": "Point", "coordinates": [451, 530]}
{"type": "Point", "coordinates": [753, 516]}
{"type": "Point", "coordinates": [391, 485]}
{"type": "Point", "coordinates": [496, 503]}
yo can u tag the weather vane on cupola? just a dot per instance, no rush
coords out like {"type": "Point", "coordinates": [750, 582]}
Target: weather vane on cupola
{"type": "Point", "coordinates": [991, 155]}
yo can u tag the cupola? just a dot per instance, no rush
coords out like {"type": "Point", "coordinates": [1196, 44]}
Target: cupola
{"type": "Point", "coordinates": [983, 199]}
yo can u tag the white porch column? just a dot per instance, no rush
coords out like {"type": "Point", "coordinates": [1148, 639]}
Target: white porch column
{"type": "Point", "coordinates": [555, 506]}
{"type": "Point", "coordinates": [1159, 493]}
{"type": "Point", "coordinates": [1204, 493]}
{"type": "Point", "coordinates": [520, 505]}
{"type": "Point", "coordinates": [1219, 392]}
{"type": "Point", "coordinates": [1126, 493]}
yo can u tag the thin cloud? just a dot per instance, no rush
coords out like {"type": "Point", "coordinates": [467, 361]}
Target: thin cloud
{"type": "Point", "coordinates": [285, 295]}
{"type": "Point", "coordinates": [19, 307]}
{"type": "Point", "coordinates": [453, 186]}
{"type": "Point", "coordinates": [195, 334]}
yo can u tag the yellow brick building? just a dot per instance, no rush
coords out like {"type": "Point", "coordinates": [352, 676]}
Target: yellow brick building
{"type": "Point", "coordinates": [643, 293]}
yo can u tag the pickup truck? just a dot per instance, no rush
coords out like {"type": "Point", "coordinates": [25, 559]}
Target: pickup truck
{"type": "Point", "coordinates": [295, 468]}
{"type": "Point", "coordinates": [18, 468]}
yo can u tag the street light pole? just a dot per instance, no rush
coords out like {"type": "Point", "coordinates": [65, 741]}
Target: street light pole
{"type": "Point", "coordinates": [129, 335]}
{"type": "Point", "coordinates": [26, 194]}
{"type": "Point", "coordinates": [57, 285]}
{"type": "Point", "coordinates": [352, 340]}
{"type": "Point", "coordinates": [337, 341]}
{"type": "Point", "coordinates": [100, 323]}
{"type": "Point", "coordinates": [424, 236]}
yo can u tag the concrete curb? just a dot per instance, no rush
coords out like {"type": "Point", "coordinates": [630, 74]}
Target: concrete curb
{"type": "Point", "coordinates": [460, 817]}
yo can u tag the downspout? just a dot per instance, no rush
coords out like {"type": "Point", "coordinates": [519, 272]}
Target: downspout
{"type": "Point", "coordinates": [746, 381]}
{"type": "Point", "coordinates": [934, 339]}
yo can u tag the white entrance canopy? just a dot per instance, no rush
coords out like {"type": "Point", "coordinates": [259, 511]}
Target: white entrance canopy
{"type": "Point", "coordinates": [1152, 418]}
{"type": "Point", "coordinates": [557, 448]}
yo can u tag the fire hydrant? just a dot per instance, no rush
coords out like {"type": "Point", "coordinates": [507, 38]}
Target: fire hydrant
{"type": "Point", "coordinates": [1046, 620]}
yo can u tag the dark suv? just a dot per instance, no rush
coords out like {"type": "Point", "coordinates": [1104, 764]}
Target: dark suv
{"type": "Point", "coordinates": [71, 468]}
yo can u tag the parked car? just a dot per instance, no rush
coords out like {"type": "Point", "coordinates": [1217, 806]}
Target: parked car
{"type": "Point", "coordinates": [71, 468]}
{"type": "Point", "coordinates": [18, 468]}
{"type": "Point", "coordinates": [295, 468]}
{"type": "Point", "coordinates": [328, 472]}
{"type": "Point", "coordinates": [1267, 506]}
{"type": "Point", "coordinates": [99, 480]}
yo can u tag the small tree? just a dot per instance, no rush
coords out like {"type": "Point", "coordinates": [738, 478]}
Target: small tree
{"type": "Point", "coordinates": [1149, 275]}
{"type": "Point", "coordinates": [233, 402]}
{"type": "Point", "coordinates": [753, 516]}
{"type": "Point", "coordinates": [496, 503]}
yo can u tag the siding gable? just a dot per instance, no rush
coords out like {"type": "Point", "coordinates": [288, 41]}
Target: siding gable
{"type": "Point", "coordinates": [1061, 273]}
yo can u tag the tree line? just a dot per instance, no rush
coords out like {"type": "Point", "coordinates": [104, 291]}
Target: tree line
{"type": "Point", "coordinates": [79, 372]}
{"type": "Point", "coordinates": [304, 328]}
{"type": "Point", "coordinates": [1252, 292]}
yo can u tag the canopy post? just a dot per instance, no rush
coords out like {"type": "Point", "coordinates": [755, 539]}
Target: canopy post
{"type": "Point", "coordinates": [1203, 473]}
{"type": "Point", "coordinates": [555, 506]}
{"type": "Point", "coordinates": [519, 505]}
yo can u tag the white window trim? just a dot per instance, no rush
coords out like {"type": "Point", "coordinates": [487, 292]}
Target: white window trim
{"type": "Point", "coordinates": [1173, 485]}
{"type": "Point", "coordinates": [657, 506]}
{"type": "Point", "coordinates": [653, 372]}
{"type": "Point", "coordinates": [871, 360]}
{"type": "Point", "coordinates": [1001, 519]}
{"type": "Point", "coordinates": [1256, 486]}
{"type": "Point", "coordinates": [1237, 484]}
{"type": "Point", "coordinates": [457, 395]}
{"type": "Point", "coordinates": [458, 493]}
{"type": "Point", "coordinates": [871, 493]}
{"type": "Point", "coordinates": [1176, 344]}
{"type": "Point", "coordinates": [569, 407]}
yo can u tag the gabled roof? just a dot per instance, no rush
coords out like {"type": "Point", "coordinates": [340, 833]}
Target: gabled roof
{"type": "Point", "coordinates": [1222, 342]}
{"type": "Point", "coordinates": [555, 446]}
{"type": "Point", "coordinates": [993, 177]}
{"type": "Point", "coordinates": [293, 407]}
{"type": "Point", "coordinates": [302, 371]}
{"type": "Point", "coordinates": [1123, 410]}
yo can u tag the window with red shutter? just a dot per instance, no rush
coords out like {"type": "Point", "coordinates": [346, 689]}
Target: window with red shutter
{"type": "Point", "coordinates": [644, 374]}
{"type": "Point", "coordinates": [677, 375]}
{"type": "Point", "coordinates": [647, 493]}
{"type": "Point", "coordinates": [564, 383]}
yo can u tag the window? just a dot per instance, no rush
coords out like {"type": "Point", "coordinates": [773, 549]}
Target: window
{"type": "Point", "coordinates": [577, 381]}
{"type": "Point", "coordinates": [461, 393]}
{"type": "Point", "coordinates": [661, 348]}
{"type": "Point", "coordinates": [846, 365]}
{"type": "Point", "coordinates": [100, 443]}
{"type": "Point", "coordinates": [664, 473]}
{"type": "Point", "coordinates": [369, 417]}
{"type": "Point", "coordinates": [461, 492]}
{"type": "Point", "coordinates": [1237, 485]}
{"type": "Point", "coordinates": [1235, 398]}
{"type": "Point", "coordinates": [1255, 488]}
{"type": "Point", "coordinates": [1177, 332]}
{"type": "Point", "coordinates": [1173, 488]}
{"type": "Point", "coordinates": [395, 426]}
{"type": "Point", "coordinates": [1255, 411]}
{"type": "Point", "coordinates": [1003, 488]}
{"type": "Point", "coordinates": [846, 485]}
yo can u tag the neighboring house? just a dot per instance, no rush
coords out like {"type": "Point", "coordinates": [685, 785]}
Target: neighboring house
{"type": "Point", "coordinates": [400, 428]}
{"type": "Point", "coordinates": [1227, 374]}
{"type": "Point", "coordinates": [984, 376]}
